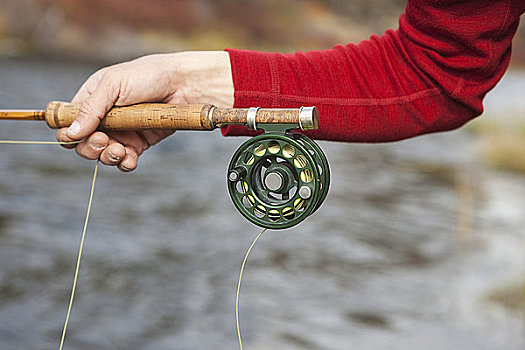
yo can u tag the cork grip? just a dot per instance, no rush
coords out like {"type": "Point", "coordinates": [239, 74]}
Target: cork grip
{"type": "Point", "coordinates": [139, 116]}
{"type": "Point", "coordinates": [181, 117]}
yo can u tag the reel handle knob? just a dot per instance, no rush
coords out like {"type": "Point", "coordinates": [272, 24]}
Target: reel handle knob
{"type": "Point", "coordinates": [237, 174]}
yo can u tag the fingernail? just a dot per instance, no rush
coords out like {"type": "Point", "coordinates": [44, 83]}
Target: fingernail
{"type": "Point", "coordinates": [113, 157]}
{"type": "Point", "coordinates": [74, 128]}
{"type": "Point", "coordinates": [97, 146]}
{"type": "Point", "coordinates": [122, 167]}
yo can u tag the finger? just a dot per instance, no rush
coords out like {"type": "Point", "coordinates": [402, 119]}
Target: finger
{"type": "Point", "coordinates": [113, 154]}
{"type": "Point", "coordinates": [95, 107]}
{"type": "Point", "coordinates": [131, 139]}
{"type": "Point", "coordinates": [62, 137]}
{"type": "Point", "coordinates": [152, 137]}
{"type": "Point", "coordinates": [129, 163]}
{"type": "Point", "coordinates": [92, 147]}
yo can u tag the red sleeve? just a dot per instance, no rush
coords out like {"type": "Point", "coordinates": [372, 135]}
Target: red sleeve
{"type": "Point", "coordinates": [429, 75]}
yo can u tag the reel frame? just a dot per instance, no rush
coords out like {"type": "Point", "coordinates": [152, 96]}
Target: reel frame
{"type": "Point", "coordinates": [279, 178]}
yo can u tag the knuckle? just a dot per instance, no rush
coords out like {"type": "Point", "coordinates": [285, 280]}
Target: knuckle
{"type": "Point", "coordinates": [124, 168]}
{"type": "Point", "coordinates": [62, 137]}
{"type": "Point", "coordinates": [85, 153]}
{"type": "Point", "coordinates": [109, 158]}
{"type": "Point", "coordinates": [107, 161]}
{"type": "Point", "coordinates": [87, 110]}
{"type": "Point", "coordinates": [125, 89]}
{"type": "Point", "coordinates": [90, 86]}
{"type": "Point", "coordinates": [98, 141]}
{"type": "Point", "coordinates": [112, 74]}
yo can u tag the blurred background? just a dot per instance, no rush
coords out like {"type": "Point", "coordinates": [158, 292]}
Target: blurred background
{"type": "Point", "coordinates": [109, 31]}
{"type": "Point", "coordinates": [419, 244]}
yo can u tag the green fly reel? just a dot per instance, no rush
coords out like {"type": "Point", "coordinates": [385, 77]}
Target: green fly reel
{"type": "Point", "coordinates": [277, 179]}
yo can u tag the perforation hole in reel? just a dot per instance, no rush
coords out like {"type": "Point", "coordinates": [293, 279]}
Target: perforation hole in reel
{"type": "Point", "coordinates": [276, 180]}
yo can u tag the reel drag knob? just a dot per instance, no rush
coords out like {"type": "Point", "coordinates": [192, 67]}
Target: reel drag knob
{"type": "Point", "coordinates": [274, 181]}
{"type": "Point", "coordinates": [277, 180]}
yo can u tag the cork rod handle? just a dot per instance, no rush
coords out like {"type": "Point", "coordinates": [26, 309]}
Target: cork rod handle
{"type": "Point", "coordinates": [181, 117]}
{"type": "Point", "coordinates": [139, 116]}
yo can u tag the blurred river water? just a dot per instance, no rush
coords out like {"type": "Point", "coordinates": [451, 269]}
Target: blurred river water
{"type": "Point", "coordinates": [412, 243]}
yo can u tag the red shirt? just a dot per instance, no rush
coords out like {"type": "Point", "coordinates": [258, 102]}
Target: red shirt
{"type": "Point", "coordinates": [429, 75]}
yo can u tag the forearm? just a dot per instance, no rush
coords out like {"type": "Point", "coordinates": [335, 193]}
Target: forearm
{"type": "Point", "coordinates": [430, 75]}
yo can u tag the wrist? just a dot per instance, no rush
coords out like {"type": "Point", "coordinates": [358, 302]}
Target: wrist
{"type": "Point", "coordinates": [203, 77]}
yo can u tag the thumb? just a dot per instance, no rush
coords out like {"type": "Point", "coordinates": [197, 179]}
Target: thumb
{"type": "Point", "coordinates": [94, 108]}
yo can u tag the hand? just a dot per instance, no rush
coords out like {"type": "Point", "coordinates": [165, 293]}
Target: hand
{"type": "Point", "coordinates": [179, 78]}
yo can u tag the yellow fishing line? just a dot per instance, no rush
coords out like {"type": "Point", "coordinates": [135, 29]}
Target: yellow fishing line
{"type": "Point", "coordinates": [239, 287]}
{"type": "Point", "coordinates": [75, 278]}
{"type": "Point", "coordinates": [84, 230]}
{"type": "Point", "coordinates": [38, 142]}
{"type": "Point", "coordinates": [82, 238]}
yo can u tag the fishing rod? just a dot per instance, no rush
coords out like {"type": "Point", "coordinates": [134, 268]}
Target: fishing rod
{"type": "Point", "coordinates": [275, 180]}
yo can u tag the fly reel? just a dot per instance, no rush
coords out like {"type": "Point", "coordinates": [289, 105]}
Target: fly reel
{"type": "Point", "coordinates": [277, 179]}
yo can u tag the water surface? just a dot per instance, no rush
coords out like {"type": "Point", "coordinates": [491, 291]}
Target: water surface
{"type": "Point", "coordinates": [412, 239]}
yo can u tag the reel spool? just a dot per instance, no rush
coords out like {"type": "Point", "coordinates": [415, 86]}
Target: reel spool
{"type": "Point", "coordinates": [277, 179]}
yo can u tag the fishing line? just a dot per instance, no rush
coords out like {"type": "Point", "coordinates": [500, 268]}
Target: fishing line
{"type": "Point", "coordinates": [12, 142]}
{"type": "Point", "coordinates": [275, 180]}
{"type": "Point", "coordinates": [82, 239]}
{"type": "Point", "coordinates": [79, 257]}
{"type": "Point", "coordinates": [84, 230]}
{"type": "Point", "coordinates": [239, 287]}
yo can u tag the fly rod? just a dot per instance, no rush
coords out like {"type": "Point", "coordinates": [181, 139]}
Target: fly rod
{"type": "Point", "coordinates": [172, 117]}
{"type": "Point", "coordinates": [275, 180]}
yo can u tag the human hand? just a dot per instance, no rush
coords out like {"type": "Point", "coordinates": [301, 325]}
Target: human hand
{"type": "Point", "coordinates": [179, 78]}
